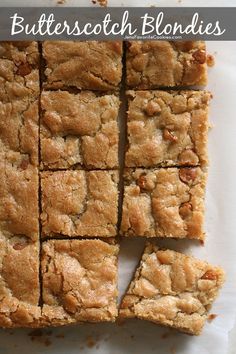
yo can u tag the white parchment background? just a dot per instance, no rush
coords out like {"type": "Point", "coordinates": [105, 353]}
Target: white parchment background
{"type": "Point", "coordinates": [139, 337]}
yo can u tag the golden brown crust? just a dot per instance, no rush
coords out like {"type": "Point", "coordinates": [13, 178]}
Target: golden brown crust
{"type": "Point", "coordinates": [172, 289]}
{"type": "Point", "coordinates": [164, 203]}
{"type": "Point", "coordinates": [19, 282]}
{"type": "Point", "coordinates": [19, 74]}
{"type": "Point", "coordinates": [85, 65]}
{"type": "Point", "coordinates": [79, 203]}
{"type": "Point", "coordinates": [153, 64]}
{"type": "Point", "coordinates": [79, 281]}
{"type": "Point", "coordinates": [167, 128]}
{"type": "Point", "coordinates": [18, 198]}
{"type": "Point", "coordinates": [79, 130]}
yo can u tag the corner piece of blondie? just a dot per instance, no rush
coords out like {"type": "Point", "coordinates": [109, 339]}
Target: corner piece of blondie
{"type": "Point", "coordinates": [172, 289]}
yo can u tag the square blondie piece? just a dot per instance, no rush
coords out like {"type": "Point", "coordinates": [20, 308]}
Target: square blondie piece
{"type": "Point", "coordinates": [79, 281]}
{"type": "Point", "coordinates": [172, 289]}
{"type": "Point", "coordinates": [154, 64]}
{"type": "Point", "coordinates": [88, 65]}
{"type": "Point", "coordinates": [19, 125]}
{"type": "Point", "coordinates": [79, 130]}
{"type": "Point", "coordinates": [166, 202]}
{"type": "Point", "coordinates": [19, 73]}
{"type": "Point", "coordinates": [19, 281]}
{"type": "Point", "coordinates": [167, 128]}
{"type": "Point", "coordinates": [19, 212]}
{"type": "Point", "coordinates": [79, 203]}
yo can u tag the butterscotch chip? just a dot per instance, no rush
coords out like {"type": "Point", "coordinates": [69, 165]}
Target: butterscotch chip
{"type": "Point", "coordinates": [88, 65]}
{"type": "Point", "coordinates": [167, 128]}
{"type": "Point", "coordinates": [158, 202]}
{"type": "Point", "coordinates": [154, 64]}
{"type": "Point", "coordinates": [172, 293]}
{"type": "Point", "coordinates": [79, 281]}
{"type": "Point", "coordinates": [19, 282]}
{"type": "Point", "coordinates": [79, 203]}
{"type": "Point", "coordinates": [79, 130]}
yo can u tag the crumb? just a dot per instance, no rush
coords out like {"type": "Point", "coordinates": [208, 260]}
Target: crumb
{"type": "Point", "coordinates": [210, 60]}
{"type": "Point", "coordinates": [47, 342]}
{"type": "Point", "coordinates": [90, 342]}
{"type": "Point", "coordinates": [35, 333]}
{"type": "Point", "coordinates": [61, 2]}
{"type": "Point", "coordinates": [211, 317]}
{"type": "Point", "coordinates": [100, 2]}
{"type": "Point", "coordinates": [173, 350]}
{"type": "Point", "coordinates": [60, 335]}
{"type": "Point", "coordinates": [132, 336]}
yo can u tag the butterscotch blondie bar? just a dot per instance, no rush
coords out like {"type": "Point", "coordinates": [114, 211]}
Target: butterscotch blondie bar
{"type": "Point", "coordinates": [154, 64]}
{"type": "Point", "coordinates": [166, 202]}
{"type": "Point", "coordinates": [172, 289]}
{"type": "Point", "coordinates": [79, 130]}
{"type": "Point", "coordinates": [79, 203]}
{"type": "Point", "coordinates": [19, 74]}
{"type": "Point", "coordinates": [18, 198]}
{"type": "Point", "coordinates": [19, 281]}
{"type": "Point", "coordinates": [88, 65]}
{"type": "Point", "coordinates": [167, 128]}
{"type": "Point", "coordinates": [79, 281]}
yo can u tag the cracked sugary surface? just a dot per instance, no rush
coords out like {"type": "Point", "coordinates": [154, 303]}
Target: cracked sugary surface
{"type": "Point", "coordinates": [153, 64]}
{"type": "Point", "coordinates": [79, 203]}
{"type": "Point", "coordinates": [84, 65]}
{"type": "Point", "coordinates": [19, 281]}
{"type": "Point", "coordinates": [79, 281]}
{"type": "Point", "coordinates": [172, 289]}
{"type": "Point", "coordinates": [167, 128]}
{"type": "Point", "coordinates": [79, 130]}
{"type": "Point", "coordinates": [19, 74]}
{"type": "Point", "coordinates": [165, 202]}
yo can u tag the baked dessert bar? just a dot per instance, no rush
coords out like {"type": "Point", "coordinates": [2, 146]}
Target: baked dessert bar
{"type": "Point", "coordinates": [88, 65]}
{"type": "Point", "coordinates": [19, 129]}
{"type": "Point", "coordinates": [19, 243]}
{"type": "Point", "coordinates": [79, 203]}
{"type": "Point", "coordinates": [153, 64]}
{"type": "Point", "coordinates": [19, 281]}
{"type": "Point", "coordinates": [18, 197]}
{"type": "Point", "coordinates": [172, 289]}
{"type": "Point", "coordinates": [19, 74]}
{"type": "Point", "coordinates": [166, 202]}
{"type": "Point", "coordinates": [79, 130]}
{"type": "Point", "coordinates": [79, 281]}
{"type": "Point", "coordinates": [167, 128]}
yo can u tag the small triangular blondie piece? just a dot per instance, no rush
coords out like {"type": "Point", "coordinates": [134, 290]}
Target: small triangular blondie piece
{"type": "Point", "coordinates": [172, 289]}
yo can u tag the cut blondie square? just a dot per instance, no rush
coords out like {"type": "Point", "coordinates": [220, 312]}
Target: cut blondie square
{"type": "Point", "coordinates": [18, 198]}
{"type": "Point", "coordinates": [79, 281]}
{"type": "Point", "coordinates": [79, 203]}
{"type": "Point", "coordinates": [19, 281]}
{"type": "Point", "coordinates": [166, 202]}
{"type": "Point", "coordinates": [79, 130]}
{"type": "Point", "coordinates": [19, 73]}
{"type": "Point", "coordinates": [172, 289]}
{"type": "Point", "coordinates": [88, 65]}
{"type": "Point", "coordinates": [154, 64]}
{"type": "Point", "coordinates": [167, 128]}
